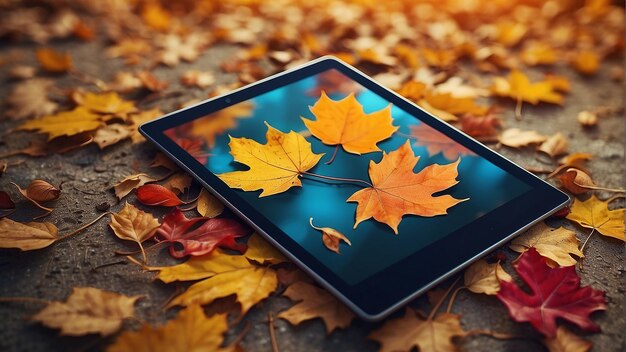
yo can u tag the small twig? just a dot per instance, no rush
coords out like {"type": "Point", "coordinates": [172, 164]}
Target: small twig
{"type": "Point", "coordinates": [270, 325]}
{"type": "Point", "coordinates": [332, 158]}
{"type": "Point", "coordinates": [24, 299]}
{"type": "Point", "coordinates": [84, 226]}
{"type": "Point", "coordinates": [518, 109]}
{"type": "Point", "coordinates": [108, 264]}
{"type": "Point", "coordinates": [241, 335]}
{"type": "Point", "coordinates": [453, 298]}
{"type": "Point", "coordinates": [497, 335]}
{"type": "Point", "coordinates": [438, 305]}
{"type": "Point", "coordinates": [580, 263]}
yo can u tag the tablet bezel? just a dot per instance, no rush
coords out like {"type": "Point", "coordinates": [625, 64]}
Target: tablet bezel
{"type": "Point", "coordinates": [384, 292]}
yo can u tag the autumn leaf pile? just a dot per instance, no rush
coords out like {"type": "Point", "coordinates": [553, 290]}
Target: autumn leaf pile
{"type": "Point", "coordinates": [494, 70]}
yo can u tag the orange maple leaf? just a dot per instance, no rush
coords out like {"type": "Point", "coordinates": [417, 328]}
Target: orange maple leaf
{"type": "Point", "coordinates": [397, 190]}
{"type": "Point", "coordinates": [345, 123]}
{"type": "Point", "coordinates": [437, 142]}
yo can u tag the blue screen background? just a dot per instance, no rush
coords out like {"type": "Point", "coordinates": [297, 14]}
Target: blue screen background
{"type": "Point", "coordinates": [374, 245]}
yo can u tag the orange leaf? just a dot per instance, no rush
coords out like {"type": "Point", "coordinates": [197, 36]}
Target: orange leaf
{"type": "Point", "coordinates": [53, 61]}
{"type": "Point", "coordinates": [586, 62]}
{"type": "Point", "coordinates": [397, 191]}
{"type": "Point", "coordinates": [157, 195]}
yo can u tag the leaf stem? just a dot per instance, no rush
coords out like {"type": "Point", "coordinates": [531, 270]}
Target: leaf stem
{"type": "Point", "coordinates": [496, 335]}
{"type": "Point", "coordinates": [332, 158]}
{"type": "Point", "coordinates": [84, 226]}
{"type": "Point", "coordinates": [438, 305]}
{"type": "Point", "coordinates": [616, 190]}
{"type": "Point", "coordinates": [270, 325]}
{"type": "Point", "coordinates": [453, 297]}
{"type": "Point", "coordinates": [587, 240]}
{"type": "Point", "coordinates": [135, 252]}
{"type": "Point", "coordinates": [337, 178]}
{"type": "Point", "coordinates": [518, 109]}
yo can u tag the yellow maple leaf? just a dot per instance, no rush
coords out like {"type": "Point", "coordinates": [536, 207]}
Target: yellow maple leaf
{"type": "Point", "coordinates": [345, 123]}
{"type": "Point", "coordinates": [66, 123]}
{"type": "Point", "coordinates": [262, 252]}
{"type": "Point", "coordinates": [88, 310]}
{"type": "Point", "coordinates": [315, 302]}
{"type": "Point", "coordinates": [275, 166]}
{"type": "Point", "coordinates": [518, 86]}
{"type": "Point", "coordinates": [412, 331]}
{"type": "Point", "coordinates": [397, 191]}
{"type": "Point", "coordinates": [191, 330]}
{"type": "Point", "coordinates": [104, 103]}
{"type": "Point", "coordinates": [482, 277]}
{"type": "Point", "coordinates": [595, 214]}
{"type": "Point", "coordinates": [556, 244]}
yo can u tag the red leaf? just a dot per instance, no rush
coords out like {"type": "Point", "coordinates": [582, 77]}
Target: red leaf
{"type": "Point", "coordinates": [555, 293]}
{"type": "Point", "coordinates": [5, 201]}
{"type": "Point", "coordinates": [203, 239]}
{"type": "Point", "coordinates": [157, 195]}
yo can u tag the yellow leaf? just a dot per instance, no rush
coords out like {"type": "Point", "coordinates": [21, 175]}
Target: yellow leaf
{"type": "Point", "coordinates": [132, 224]}
{"type": "Point", "coordinates": [315, 302]}
{"type": "Point", "coordinates": [111, 134]}
{"type": "Point", "coordinates": [233, 275]}
{"type": "Point", "coordinates": [518, 87]}
{"type": "Point", "coordinates": [586, 62]}
{"type": "Point", "coordinates": [556, 244]}
{"type": "Point", "coordinates": [275, 166]}
{"type": "Point", "coordinates": [139, 118]}
{"type": "Point", "coordinates": [66, 123]}
{"type": "Point", "coordinates": [345, 123]}
{"type": "Point", "coordinates": [53, 61]}
{"type": "Point", "coordinates": [411, 331]}
{"type": "Point", "coordinates": [156, 16]}
{"type": "Point", "coordinates": [538, 53]}
{"type": "Point", "coordinates": [197, 268]}
{"type": "Point", "coordinates": [516, 138]}
{"type": "Point", "coordinates": [88, 310]}
{"type": "Point", "coordinates": [455, 106]}
{"type": "Point", "coordinates": [397, 191]}
{"type": "Point", "coordinates": [262, 252]}
{"type": "Point", "coordinates": [130, 183]}
{"type": "Point", "coordinates": [29, 236]}
{"type": "Point", "coordinates": [208, 205]}
{"type": "Point", "coordinates": [595, 214]}
{"type": "Point", "coordinates": [331, 237]}
{"type": "Point", "coordinates": [104, 103]}
{"type": "Point", "coordinates": [482, 277]}
{"type": "Point", "coordinates": [191, 330]}
{"type": "Point", "coordinates": [565, 341]}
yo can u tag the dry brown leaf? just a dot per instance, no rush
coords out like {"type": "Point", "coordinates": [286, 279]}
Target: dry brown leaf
{"type": "Point", "coordinates": [557, 244]}
{"type": "Point", "coordinates": [42, 191]}
{"type": "Point", "coordinates": [198, 79]}
{"type": "Point", "coordinates": [150, 82]}
{"type": "Point", "coordinates": [555, 145]}
{"type": "Point", "coordinates": [566, 341]}
{"type": "Point", "coordinates": [516, 138]}
{"type": "Point", "coordinates": [22, 72]}
{"type": "Point", "coordinates": [178, 182]}
{"type": "Point", "coordinates": [130, 183]}
{"type": "Point", "coordinates": [29, 236]}
{"type": "Point", "coordinates": [482, 277]}
{"type": "Point", "coordinates": [88, 310]}
{"type": "Point", "coordinates": [315, 302]}
{"type": "Point", "coordinates": [53, 61]}
{"type": "Point", "coordinates": [139, 118]}
{"type": "Point", "coordinates": [132, 224]}
{"type": "Point", "coordinates": [208, 205]}
{"type": "Point", "coordinates": [587, 118]}
{"type": "Point", "coordinates": [175, 48]}
{"type": "Point", "coordinates": [111, 134]}
{"type": "Point", "coordinates": [30, 99]}
{"type": "Point", "coordinates": [331, 237]}
{"type": "Point", "coordinates": [576, 181]}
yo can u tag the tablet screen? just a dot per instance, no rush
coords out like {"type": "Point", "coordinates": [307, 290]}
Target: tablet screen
{"type": "Point", "coordinates": [328, 149]}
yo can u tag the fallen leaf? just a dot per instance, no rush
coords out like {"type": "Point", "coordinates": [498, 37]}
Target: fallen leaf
{"type": "Point", "coordinates": [455, 87]}
{"type": "Point", "coordinates": [178, 182]}
{"type": "Point", "coordinates": [538, 53]}
{"type": "Point", "coordinates": [437, 142]}
{"type": "Point", "coordinates": [565, 341]}
{"type": "Point", "coordinates": [262, 252]}
{"type": "Point", "coordinates": [222, 232]}
{"type": "Point", "coordinates": [595, 214]}
{"type": "Point", "coordinates": [129, 183]}
{"type": "Point", "coordinates": [132, 224]}
{"type": "Point", "coordinates": [191, 330]}
{"type": "Point", "coordinates": [331, 237]}
{"type": "Point", "coordinates": [554, 293]}
{"type": "Point", "coordinates": [175, 48]}
{"type": "Point", "coordinates": [273, 166]}
{"type": "Point", "coordinates": [555, 244]}
{"type": "Point", "coordinates": [586, 62]}
{"type": "Point", "coordinates": [412, 331]}
{"type": "Point", "coordinates": [29, 236]}
{"type": "Point", "coordinates": [42, 191]}
{"type": "Point", "coordinates": [30, 99]}
{"type": "Point", "coordinates": [88, 310]}
{"type": "Point", "coordinates": [452, 105]}
{"type": "Point", "coordinates": [574, 160]}
{"type": "Point", "coordinates": [344, 123]}
{"type": "Point", "coordinates": [555, 145]}
{"type": "Point", "coordinates": [104, 103]}
{"type": "Point", "coordinates": [198, 79]}
{"type": "Point", "coordinates": [413, 90]}
{"type": "Point", "coordinates": [315, 302]}
{"type": "Point", "coordinates": [53, 61]}
{"type": "Point", "coordinates": [139, 118]}
{"type": "Point", "coordinates": [22, 72]}
{"type": "Point", "coordinates": [233, 276]}
{"type": "Point", "coordinates": [195, 268]}
{"type": "Point", "coordinates": [153, 194]}
{"type": "Point", "coordinates": [65, 123]}
{"type": "Point", "coordinates": [516, 138]}
{"type": "Point", "coordinates": [111, 134]}
{"type": "Point", "coordinates": [397, 191]}
{"type": "Point", "coordinates": [587, 118]}
{"type": "Point", "coordinates": [518, 87]}
{"type": "Point", "coordinates": [576, 181]}
{"type": "Point", "coordinates": [482, 277]}
{"type": "Point", "coordinates": [24, 193]}
{"type": "Point", "coordinates": [156, 16]}
{"type": "Point", "coordinates": [208, 205]}
{"type": "Point", "coordinates": [150, 82]}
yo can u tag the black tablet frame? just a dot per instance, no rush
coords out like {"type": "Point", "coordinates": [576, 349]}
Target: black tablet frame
{"type": "Point", "coordinates": [381, 294]}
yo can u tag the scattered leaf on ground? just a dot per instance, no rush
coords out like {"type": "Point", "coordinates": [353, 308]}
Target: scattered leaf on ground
{"type": "Point", "coordinates": [516, 138]}
{"type": "Point", "coordinates": [104, 103]}
{"type": "Point", "coordinates": [518, 87]}
{"type": "Point", "coordinates": [28, 236]}
{"type": "Point", "coordinates": [178, 182]}
{"type": "Point", "coordinates": [586, 62]}
{"type": "Point", "coordinates": [262, 251]}
{"type": "Point", "coordinates": [42, 191]}
{"type": "Point", "coordinates": [555, 244]}
{"type": "Point", "coordinates": [65, 123]}
{"type": "Point", "coordinates": [566, 341]}
{"type": "Point", "coordinates": [53, 61]}
{"type": "Point", "coordinates": [594, 213]}
{"type": "Point", "coordinates": [154, 194]}
{"type": "Point", "coordinates": [130, 183]}
{"type": "Point", "coordinates": [555, 145]}
{"type": "Point", "coordinates": [587, 118]}
{"type": "Point", "coordinates": [30, 99]}
{"type": "Point", "coordinates": [576, 181]}
{"type": "Point", "coordinates": [208, 205]}
{"type": "Point", "coordinates": [482, 277]}
{"type": "Point", "coordinates": [5, 201]}
{"type": "Point", "coordinates": [111, 134]}
{"type": "Point", "coordinates": [132, 224]}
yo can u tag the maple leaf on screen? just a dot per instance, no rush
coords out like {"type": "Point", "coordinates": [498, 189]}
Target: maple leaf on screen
{"type": "Point", "coordinates": [554, 293]}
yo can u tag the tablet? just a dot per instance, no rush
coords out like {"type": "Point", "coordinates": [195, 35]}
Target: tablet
{"type": "Point", "coordinates": [416, 199]}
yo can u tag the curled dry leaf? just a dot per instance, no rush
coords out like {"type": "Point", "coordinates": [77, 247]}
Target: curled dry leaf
{"type": "Point", "coordinates": [130, 183]}
{"type": "Point", "coordinates": [42, 191]}
{"type": "Point", "coordinates": [566, 341]}
{"type": "Point", "coordinates": [576, 181]}
{"type": "Point", "coordinates": [516, 138]}
{"type": "Point", "coordinates": [30, 99]}
{"type": "Point", "coordinates": [178, 182]}
{"type": "Point", "coordinates": [482, 277]}
{"type": "Point", "coordinates": [315, 302]}
{"type": "Point", "coordinates": [412, 331]}
{"type": "Point", "coordinates": [111, 134]}
{"type": "Point", "coordinates": [555, 145]}
{"type": "Point", "coordinates": [29, 236]}
{"type": "Point", "coordinates": [594, 213]}
{"type": "Point", "coordinates": [557, 244]}
{"type": "Point", "coordinates": [132, 224]}
{"type": "Point", "coordinates": [587, 118]}
{"type": "Point", "coordinates": [88, 310]}
{"type": "Point", "coordinates": [157, 195]}
{"type": "Point", "coordinates": [24, 193]}
{"type": "Point", "coordinates": [262, 252]}
{"type": "Point", "coordinates": [191, 330]}
{"type": "Point", "coordinates": [331, 237]}
{"type": "Point", "coordinates": [208, 205]}
{"type": "Point", "coordinates": [53, 61]}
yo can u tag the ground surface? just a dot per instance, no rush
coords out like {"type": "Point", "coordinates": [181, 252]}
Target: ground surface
{"type": "Point", "coordinates": [88, 175]}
